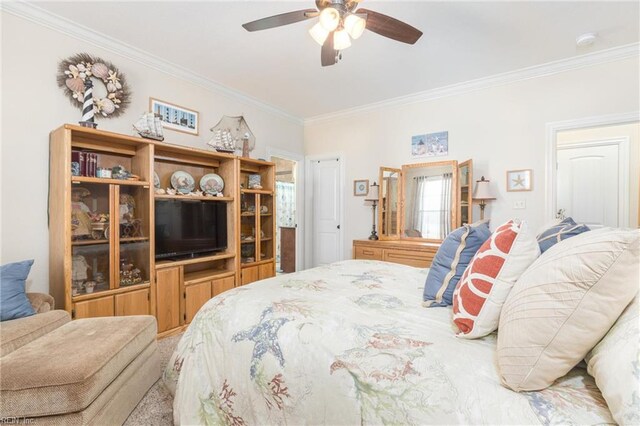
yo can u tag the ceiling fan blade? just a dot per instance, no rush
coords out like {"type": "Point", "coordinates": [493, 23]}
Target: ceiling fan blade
{"type": "Point", "coordinates": [280, 20]}
{"type": "Point", "coordinates": [391, 27]}
{"type": "Point", "coordinates": [328, 54]}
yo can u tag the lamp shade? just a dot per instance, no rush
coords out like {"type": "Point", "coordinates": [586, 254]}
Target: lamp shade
{"type": "Point", "coordinates": [373, 193]}
{"type": "Point", "coordinates": [329, 18]}
{"type": "Point", "coordinates": [354, 25]}
{"type": "Point", "coordinates": [341, 40]}
{"type": "Point", "coordinates": [318, 33]}
{"type": "Point", "coordinates": [483, 190]}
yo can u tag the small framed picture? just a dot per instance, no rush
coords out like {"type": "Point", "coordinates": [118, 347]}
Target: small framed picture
{"type": "Point", "coordinates": [430, 145]}
{"type": "Point", "coordinates": [175, 117]}
{"type": "Point", "coordinates": [361, 187]}
{"type": "Point", "coordinates": [519, 180]}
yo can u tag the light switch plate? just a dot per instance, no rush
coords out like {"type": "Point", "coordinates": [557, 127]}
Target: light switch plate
{"type": "Point", "coordinates": [520, 204]}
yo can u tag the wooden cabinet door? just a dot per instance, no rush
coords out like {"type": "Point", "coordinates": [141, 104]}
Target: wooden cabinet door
{"type": "Point", "coordinates": [132, 303]}
{"type": "Point", "coordinates": [266, 270]}
{"type": "Point", "coordinates": [168, 298]}
{"type": "Point", "coordinates": [100, 307]}
{"type": "Point", "coordinates": [196, 295]}
{"type": "Point", "coordinates": [222, 285]}
{"type": "Point", "coordinates": [250, 275]}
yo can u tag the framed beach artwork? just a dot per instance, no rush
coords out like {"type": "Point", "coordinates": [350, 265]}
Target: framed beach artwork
{"type": "Point", "coordinates": [175, 117]}
{"type": "Point", "coordinates": [361, 187]}
{"type": "Point", "coordinates": [430, 145]}
{"type": "Point", "coordinates": [519, 180]}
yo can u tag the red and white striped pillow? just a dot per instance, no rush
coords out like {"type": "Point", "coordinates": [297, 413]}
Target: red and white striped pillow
{"type": "Point", "coordinates": [487, 281]}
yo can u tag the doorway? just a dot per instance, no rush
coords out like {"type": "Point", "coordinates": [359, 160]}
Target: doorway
{"type": "Point", "coordinates": [289, 208]}
{"type": "Point", "coordinates": [286, 214]}
{"type": "Point", "coordinates": [596, 178]}
{"type": "Point", "coordinates": [325, 239]}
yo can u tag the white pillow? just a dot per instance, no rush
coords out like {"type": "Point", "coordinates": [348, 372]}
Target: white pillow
{"type": "Point", "coordinates": [489, 277]}
{"type": "Point", "coordinates": [564, 304]}
{"type": "Point", "coordinates": [615, 364]}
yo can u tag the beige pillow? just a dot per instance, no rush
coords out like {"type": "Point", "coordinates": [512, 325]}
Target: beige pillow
{"type": "Point", "coordinates": [563, 304]}
{"type": "Point", "coordinates": [615, 364]}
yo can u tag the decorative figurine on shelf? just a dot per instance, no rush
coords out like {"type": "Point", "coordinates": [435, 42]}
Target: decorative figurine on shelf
{"type": "Point", "coordinates": [149, 126]}
{"type": "Point", "coordinates": [89, 286]}
{"type": "Point", "coordinates": [129, 274]}
{"type": "Point", "coordinates": [171, 191]}
{"type": "Point", "coordinates": [80, 214]}
{"type": "Point", "coordinates": [119, 172]}
{"type": "Point", "coordinates": [79, 268]}
{"type": "Point", "coordinates": [255, 182]}
{"type": "Point", "coordinates": [264, 209]}
{"type": "Point", "coordinates": [88, 119]}
{"type": "Point", "coordinates": [127, 208]}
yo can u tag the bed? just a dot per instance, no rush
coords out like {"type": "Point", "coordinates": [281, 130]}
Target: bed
{"type": "Point", "coordinates": [349, 343]}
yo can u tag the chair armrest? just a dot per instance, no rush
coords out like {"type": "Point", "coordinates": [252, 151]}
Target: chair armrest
{"type": "Point", "coordinates": [41, 302]}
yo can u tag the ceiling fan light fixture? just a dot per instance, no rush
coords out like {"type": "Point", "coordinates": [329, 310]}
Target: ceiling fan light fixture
{"type": "Point", "coordinates": [318, 33]}
{"type": "Point", "coordinates": [354, 25]}
{"type": "Point", "coordinates": [329, 18]}
{"type": "Point", "coordinates": [341, 40]}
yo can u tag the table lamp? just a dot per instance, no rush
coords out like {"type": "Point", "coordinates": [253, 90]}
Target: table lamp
{"type": "Point", "coordinates": [372, 196]}
{"type": "Point", "coordinates": [483, 193]}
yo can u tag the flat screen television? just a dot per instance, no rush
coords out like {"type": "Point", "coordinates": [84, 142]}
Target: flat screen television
{"type": "Point", "coordinates": [190, 228]}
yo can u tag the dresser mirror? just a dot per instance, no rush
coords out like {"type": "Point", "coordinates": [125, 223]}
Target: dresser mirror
{"type": "Point", "coordinates": [388, 213]}
{"type": "Point", "coordinates": [429, 200]}
{"type": "Point", "coordinates": [465, 192]}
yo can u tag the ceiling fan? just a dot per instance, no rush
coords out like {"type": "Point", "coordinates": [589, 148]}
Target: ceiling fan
{"type": "Point", "coordinates": [339, 22]}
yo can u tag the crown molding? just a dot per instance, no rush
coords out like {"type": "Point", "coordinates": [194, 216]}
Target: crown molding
{"type": "Point", "coordinates": [549, 68]}
{"type": "Point", "coordinates": [65, 26]}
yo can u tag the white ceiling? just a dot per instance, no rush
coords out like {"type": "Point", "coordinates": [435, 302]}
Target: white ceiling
{"type": "Point", "coordinates": [462, 41]}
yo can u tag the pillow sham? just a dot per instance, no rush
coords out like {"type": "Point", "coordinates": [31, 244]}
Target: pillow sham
{"type": "Point", "coordinates": [486, 282]}
{"type": "Point", "coordinates": [566, 228]}
{"type": "Point", "coordinates": [564, 304]}
{"type": "Point", "coordinates": [451, 260]}
{"type": "Point", "coordinates": [614, 363]}
{"type": "Point", "coordinates": [14, 303]}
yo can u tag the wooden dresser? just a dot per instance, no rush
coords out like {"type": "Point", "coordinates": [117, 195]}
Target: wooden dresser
{"type": "Point", "coordinates": [418, 254]}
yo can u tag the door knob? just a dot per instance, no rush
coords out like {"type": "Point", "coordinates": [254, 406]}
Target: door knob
{"type": "Point", "coordinates": [338, 227]}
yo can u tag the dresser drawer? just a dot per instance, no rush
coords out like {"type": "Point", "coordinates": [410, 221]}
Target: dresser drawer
{"type": "Point", "coordinates": [408, 257]}
{"type": "Point", "coordinates": [370, 253]}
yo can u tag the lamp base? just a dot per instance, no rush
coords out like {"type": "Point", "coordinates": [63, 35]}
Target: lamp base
{"type": "Point", "coordinates": [373, 236]}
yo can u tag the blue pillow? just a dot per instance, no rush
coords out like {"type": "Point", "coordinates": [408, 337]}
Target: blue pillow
{"type": "Point", "coordinates": [13, 297]}
{"type": "Point", "coordinates": [563, 230]}
{"type": "Point", "coordinates": [451, 260]}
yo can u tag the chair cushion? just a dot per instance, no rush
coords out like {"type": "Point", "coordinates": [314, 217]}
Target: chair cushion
{"type": "Point", "coordinates": [18, 332]}
{"type": "Point", "coordinates": [567, 228]}
{"type": "Point", "coordinates": [487, 281]}
{"type": "Point", "coordinates": [564, 304]}
{"type": "Point", "coordinates": [66, 370]}
{"type": "Point", "coordinates": [13, 296]}
{"type": "Point", "coordinates": [451, 260]}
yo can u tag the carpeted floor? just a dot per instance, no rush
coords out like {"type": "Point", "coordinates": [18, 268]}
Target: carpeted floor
{"type": "Point", "coordinates": [156, 408]}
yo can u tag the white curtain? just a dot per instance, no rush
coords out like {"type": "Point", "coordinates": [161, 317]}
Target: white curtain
{"type": "Point", "coordinates": [430, 205]}
{"type": "Point", "coordinates": [285, 210]}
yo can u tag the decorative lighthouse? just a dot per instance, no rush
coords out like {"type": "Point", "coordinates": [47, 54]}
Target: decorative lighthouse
{"type": "Point", "coordinates": [87, 119]}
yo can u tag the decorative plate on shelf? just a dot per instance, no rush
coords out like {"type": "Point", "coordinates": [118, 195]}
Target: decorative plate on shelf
{"type": "Point", "coordinates": [211, 184]}
{"type": "Point", "coordinates": [156, 180]}
{"type": "Point", "coordinates": [182, 182]}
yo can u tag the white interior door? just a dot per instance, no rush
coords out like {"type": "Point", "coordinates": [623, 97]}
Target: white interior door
{"type": "Point", "coordinates": [591, 184]}
{"type": "Point", "coordinates": [326, 211]}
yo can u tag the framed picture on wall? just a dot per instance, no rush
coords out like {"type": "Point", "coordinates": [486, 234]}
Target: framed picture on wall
{"type": "Point", "coordinates": [430, 145]}
{"type": "Point", "coordinates": [361, 187]}
{"type": "Point", "coordinates": [519, 180]}
{"type": "Point", "coordinates": [175, 117]}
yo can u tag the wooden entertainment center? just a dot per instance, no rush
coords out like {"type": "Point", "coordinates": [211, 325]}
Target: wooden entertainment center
{"type": "Point", "coordinates": [102, 230]}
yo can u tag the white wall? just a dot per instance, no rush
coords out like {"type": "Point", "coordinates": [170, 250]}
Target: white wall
{"type": "Point", "coordinates": [500, 128]}
{"type": "Point", "coordinates": [33, 105]}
